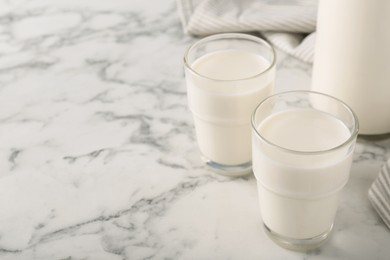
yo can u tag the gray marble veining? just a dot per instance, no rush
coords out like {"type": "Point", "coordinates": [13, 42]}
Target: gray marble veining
{"type": "Point", "coordinates": [97, 147]}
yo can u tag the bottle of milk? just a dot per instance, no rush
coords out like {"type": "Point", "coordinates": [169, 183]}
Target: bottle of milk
{"type": "Point", "coordinates": [352, 58]}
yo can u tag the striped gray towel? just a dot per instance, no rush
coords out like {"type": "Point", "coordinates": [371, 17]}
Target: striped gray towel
{"type": "Point", "coordinates": [288, 24]}
{"type": "Point", "coordinates": [379, 194]}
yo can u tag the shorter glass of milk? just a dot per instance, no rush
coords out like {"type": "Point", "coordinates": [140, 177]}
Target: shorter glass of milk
{"type": "Point", "coordinates": [227, 75]}
{"type": "Point", "coordinates": [302, 146]}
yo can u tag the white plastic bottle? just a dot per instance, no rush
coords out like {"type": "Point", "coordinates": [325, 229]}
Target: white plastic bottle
{"type": "Point", "coordinates": [352, 58]}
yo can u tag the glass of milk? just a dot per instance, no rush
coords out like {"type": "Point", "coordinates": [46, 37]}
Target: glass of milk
{"type": "Point", "coordinates": [302, 145]}
{"type": "Point", "coordinates": [227, 75]}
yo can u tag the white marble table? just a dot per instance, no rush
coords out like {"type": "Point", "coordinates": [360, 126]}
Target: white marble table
{"type": "Point", "coordinates": [97, 149]}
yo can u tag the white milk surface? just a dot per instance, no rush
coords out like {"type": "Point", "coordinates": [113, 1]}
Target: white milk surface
{"type": "Point", "coordinates": [304, 130]}
{"type": "Point", "coordinates": [222, 107]}
{"type": "Point", "coordinates": [298, 193]}
{"type": "Point", "coordinates": [230, 65]}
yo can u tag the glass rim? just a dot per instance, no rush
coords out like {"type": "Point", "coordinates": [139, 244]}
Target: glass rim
{"type": "Point", "coordinates": [230, 36]}
{"type": "Point", "coordinates": [353, 134]}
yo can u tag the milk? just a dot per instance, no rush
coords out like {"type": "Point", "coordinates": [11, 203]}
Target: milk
{"type": "Point", "coordinates": [222, 100]}
{"type": "Point", "coordinates": [299, 187]}
{"type": "Point", "coordinates": [352, 59]}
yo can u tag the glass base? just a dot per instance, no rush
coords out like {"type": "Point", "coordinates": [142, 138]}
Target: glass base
{"type": "Point", "coordinates": [229, 170]}
{"type": "Point", "coordinates": [298, 244]}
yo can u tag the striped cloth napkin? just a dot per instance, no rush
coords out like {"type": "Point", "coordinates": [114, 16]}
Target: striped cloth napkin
{"type": "Point", "coordinates": [379, 194]}
{"type": "Point", "coordinates": [288, 24]}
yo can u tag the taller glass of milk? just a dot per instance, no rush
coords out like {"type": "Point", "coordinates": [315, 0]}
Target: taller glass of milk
{"type": "Point", "coordinates": [302, 153]}
{"type": "Point", "coordinates": [227, 75]}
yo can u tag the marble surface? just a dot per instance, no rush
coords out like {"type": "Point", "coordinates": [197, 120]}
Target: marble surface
{"type": "Point", "coordinates": [98, 154]}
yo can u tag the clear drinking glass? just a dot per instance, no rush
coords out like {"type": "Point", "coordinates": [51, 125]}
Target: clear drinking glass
{"type": "Point", "coordinates": [227, 75]}
{"type": "Point", "coordinates": [302, 144]}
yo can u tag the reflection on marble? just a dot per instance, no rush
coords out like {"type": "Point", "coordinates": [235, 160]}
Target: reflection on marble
{"type": "Point", "coordinates": [97, 149]}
